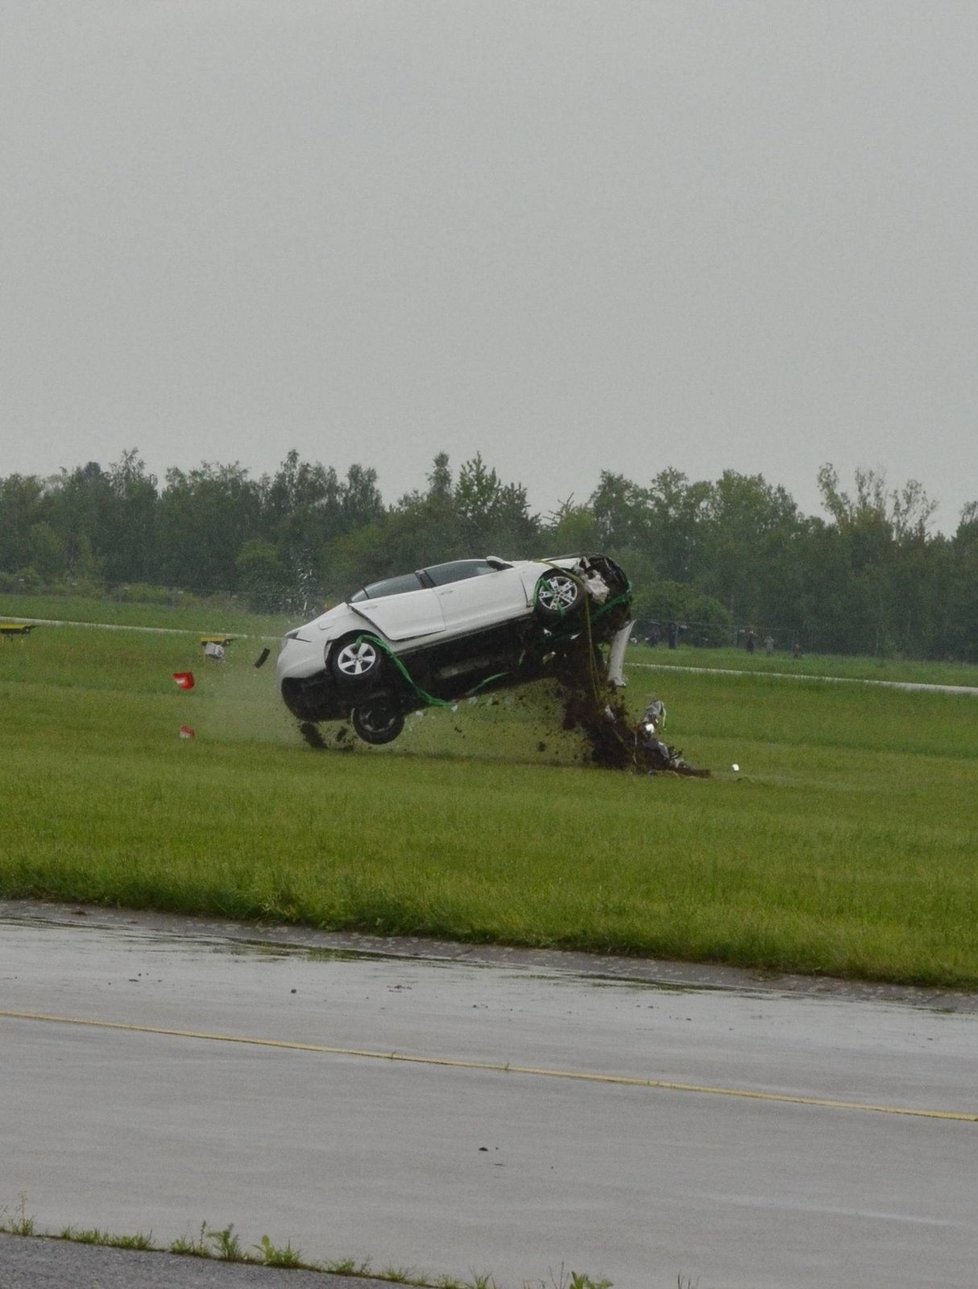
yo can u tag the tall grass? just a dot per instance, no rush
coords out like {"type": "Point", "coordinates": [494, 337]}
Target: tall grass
{"type": "Point", "coordinates": [844, 845]}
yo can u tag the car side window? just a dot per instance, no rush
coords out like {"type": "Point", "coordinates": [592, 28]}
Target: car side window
{"type": "Point", "coordinates": [457, 570]}
{"type": "Point", "coordinates": [389, 586]}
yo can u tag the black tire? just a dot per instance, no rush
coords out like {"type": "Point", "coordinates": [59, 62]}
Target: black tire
{"type": "Point", "coordinates": [356, 661]}
{"type": "Point", "coordinates": [559, 597]}
{"type": "Point", "coordinates": [378, 720]}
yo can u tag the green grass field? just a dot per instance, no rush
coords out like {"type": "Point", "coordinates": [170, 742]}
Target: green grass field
{"type": "Point", "coordinates": [845, 845]}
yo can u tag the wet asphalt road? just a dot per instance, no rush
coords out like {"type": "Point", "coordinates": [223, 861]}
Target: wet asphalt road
{"type": "Point", "coordinates": [473, 1112]}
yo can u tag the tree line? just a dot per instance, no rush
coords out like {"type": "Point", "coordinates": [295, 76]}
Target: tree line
{"type": "Point", "coordinates": [708, 559]}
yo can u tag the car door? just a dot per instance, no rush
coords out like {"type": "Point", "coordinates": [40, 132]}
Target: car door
{"type": "Point", "coordinates": [476, 603]}
{"type": "Point", "coordinates": [411, 615]}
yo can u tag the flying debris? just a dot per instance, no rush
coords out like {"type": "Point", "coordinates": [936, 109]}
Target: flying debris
{"type": "Point", "coordinates": [656, 756]}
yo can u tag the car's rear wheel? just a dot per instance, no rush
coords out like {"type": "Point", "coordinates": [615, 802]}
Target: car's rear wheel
{"type": "Point", "coordinates": [559, 596]}
{"type": "Point", "coordinates": [379, 720]}
{"type": "Point", "coordinates": [356, 660]}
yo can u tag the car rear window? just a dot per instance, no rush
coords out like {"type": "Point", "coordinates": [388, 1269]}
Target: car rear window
{"type": "Point", "coordinates": [389, 586]}
{"type": "Point", "coordinates": [457, 571]}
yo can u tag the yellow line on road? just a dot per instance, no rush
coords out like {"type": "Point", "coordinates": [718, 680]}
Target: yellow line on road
{"type": "Point", "coordinates": [621, 1080]}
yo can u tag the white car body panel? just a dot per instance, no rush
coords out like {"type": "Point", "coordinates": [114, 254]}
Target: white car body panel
{"type": "Point", "coordinates": [455, 609]}
{"type": "Point", "coordinates": [479, 602]}
{"type": "Point", "coordinates": [401, 617]}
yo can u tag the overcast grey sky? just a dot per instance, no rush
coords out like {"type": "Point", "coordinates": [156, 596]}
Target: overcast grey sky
{"type": "Point", "coordinates": [622, 234]}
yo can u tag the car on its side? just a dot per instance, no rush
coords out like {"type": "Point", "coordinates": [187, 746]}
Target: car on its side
{"type": "Point", "coordinates": [447, 631]}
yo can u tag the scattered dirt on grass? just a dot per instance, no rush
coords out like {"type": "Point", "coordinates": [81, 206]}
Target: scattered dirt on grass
{"type": "Point", "coordinates": [310, 732]}
{"type": "Point", "coordinates": [585, 716]}
{"type": "Point", "coordinates": [314, 737]}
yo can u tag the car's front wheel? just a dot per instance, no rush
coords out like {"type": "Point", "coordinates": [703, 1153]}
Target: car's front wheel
{"type": "Point", "coordinates": [559, 596]}
{"type": "Point", "coordinates": [356, 660]}
{"type": "Point", "coordinates": [379, 720]}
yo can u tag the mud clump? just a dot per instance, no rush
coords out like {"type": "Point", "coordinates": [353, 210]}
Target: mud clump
{"type": "Point", "coordinates": [609, 738]}
{"type": "Point", "coordinates": [612, 738]}
{"type": "Point", "coordinates": [314, 738]}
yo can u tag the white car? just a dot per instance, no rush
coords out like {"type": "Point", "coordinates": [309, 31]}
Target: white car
{"type": "Point", "coordinates": [448, 631]}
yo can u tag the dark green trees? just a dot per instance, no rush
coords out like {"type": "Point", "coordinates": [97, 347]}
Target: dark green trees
{"type": "Point", "coordinates": [715, 557]}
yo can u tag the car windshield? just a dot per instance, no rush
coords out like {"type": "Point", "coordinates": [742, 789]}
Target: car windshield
{"type": "Point", "coordinates": [389, 586]}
